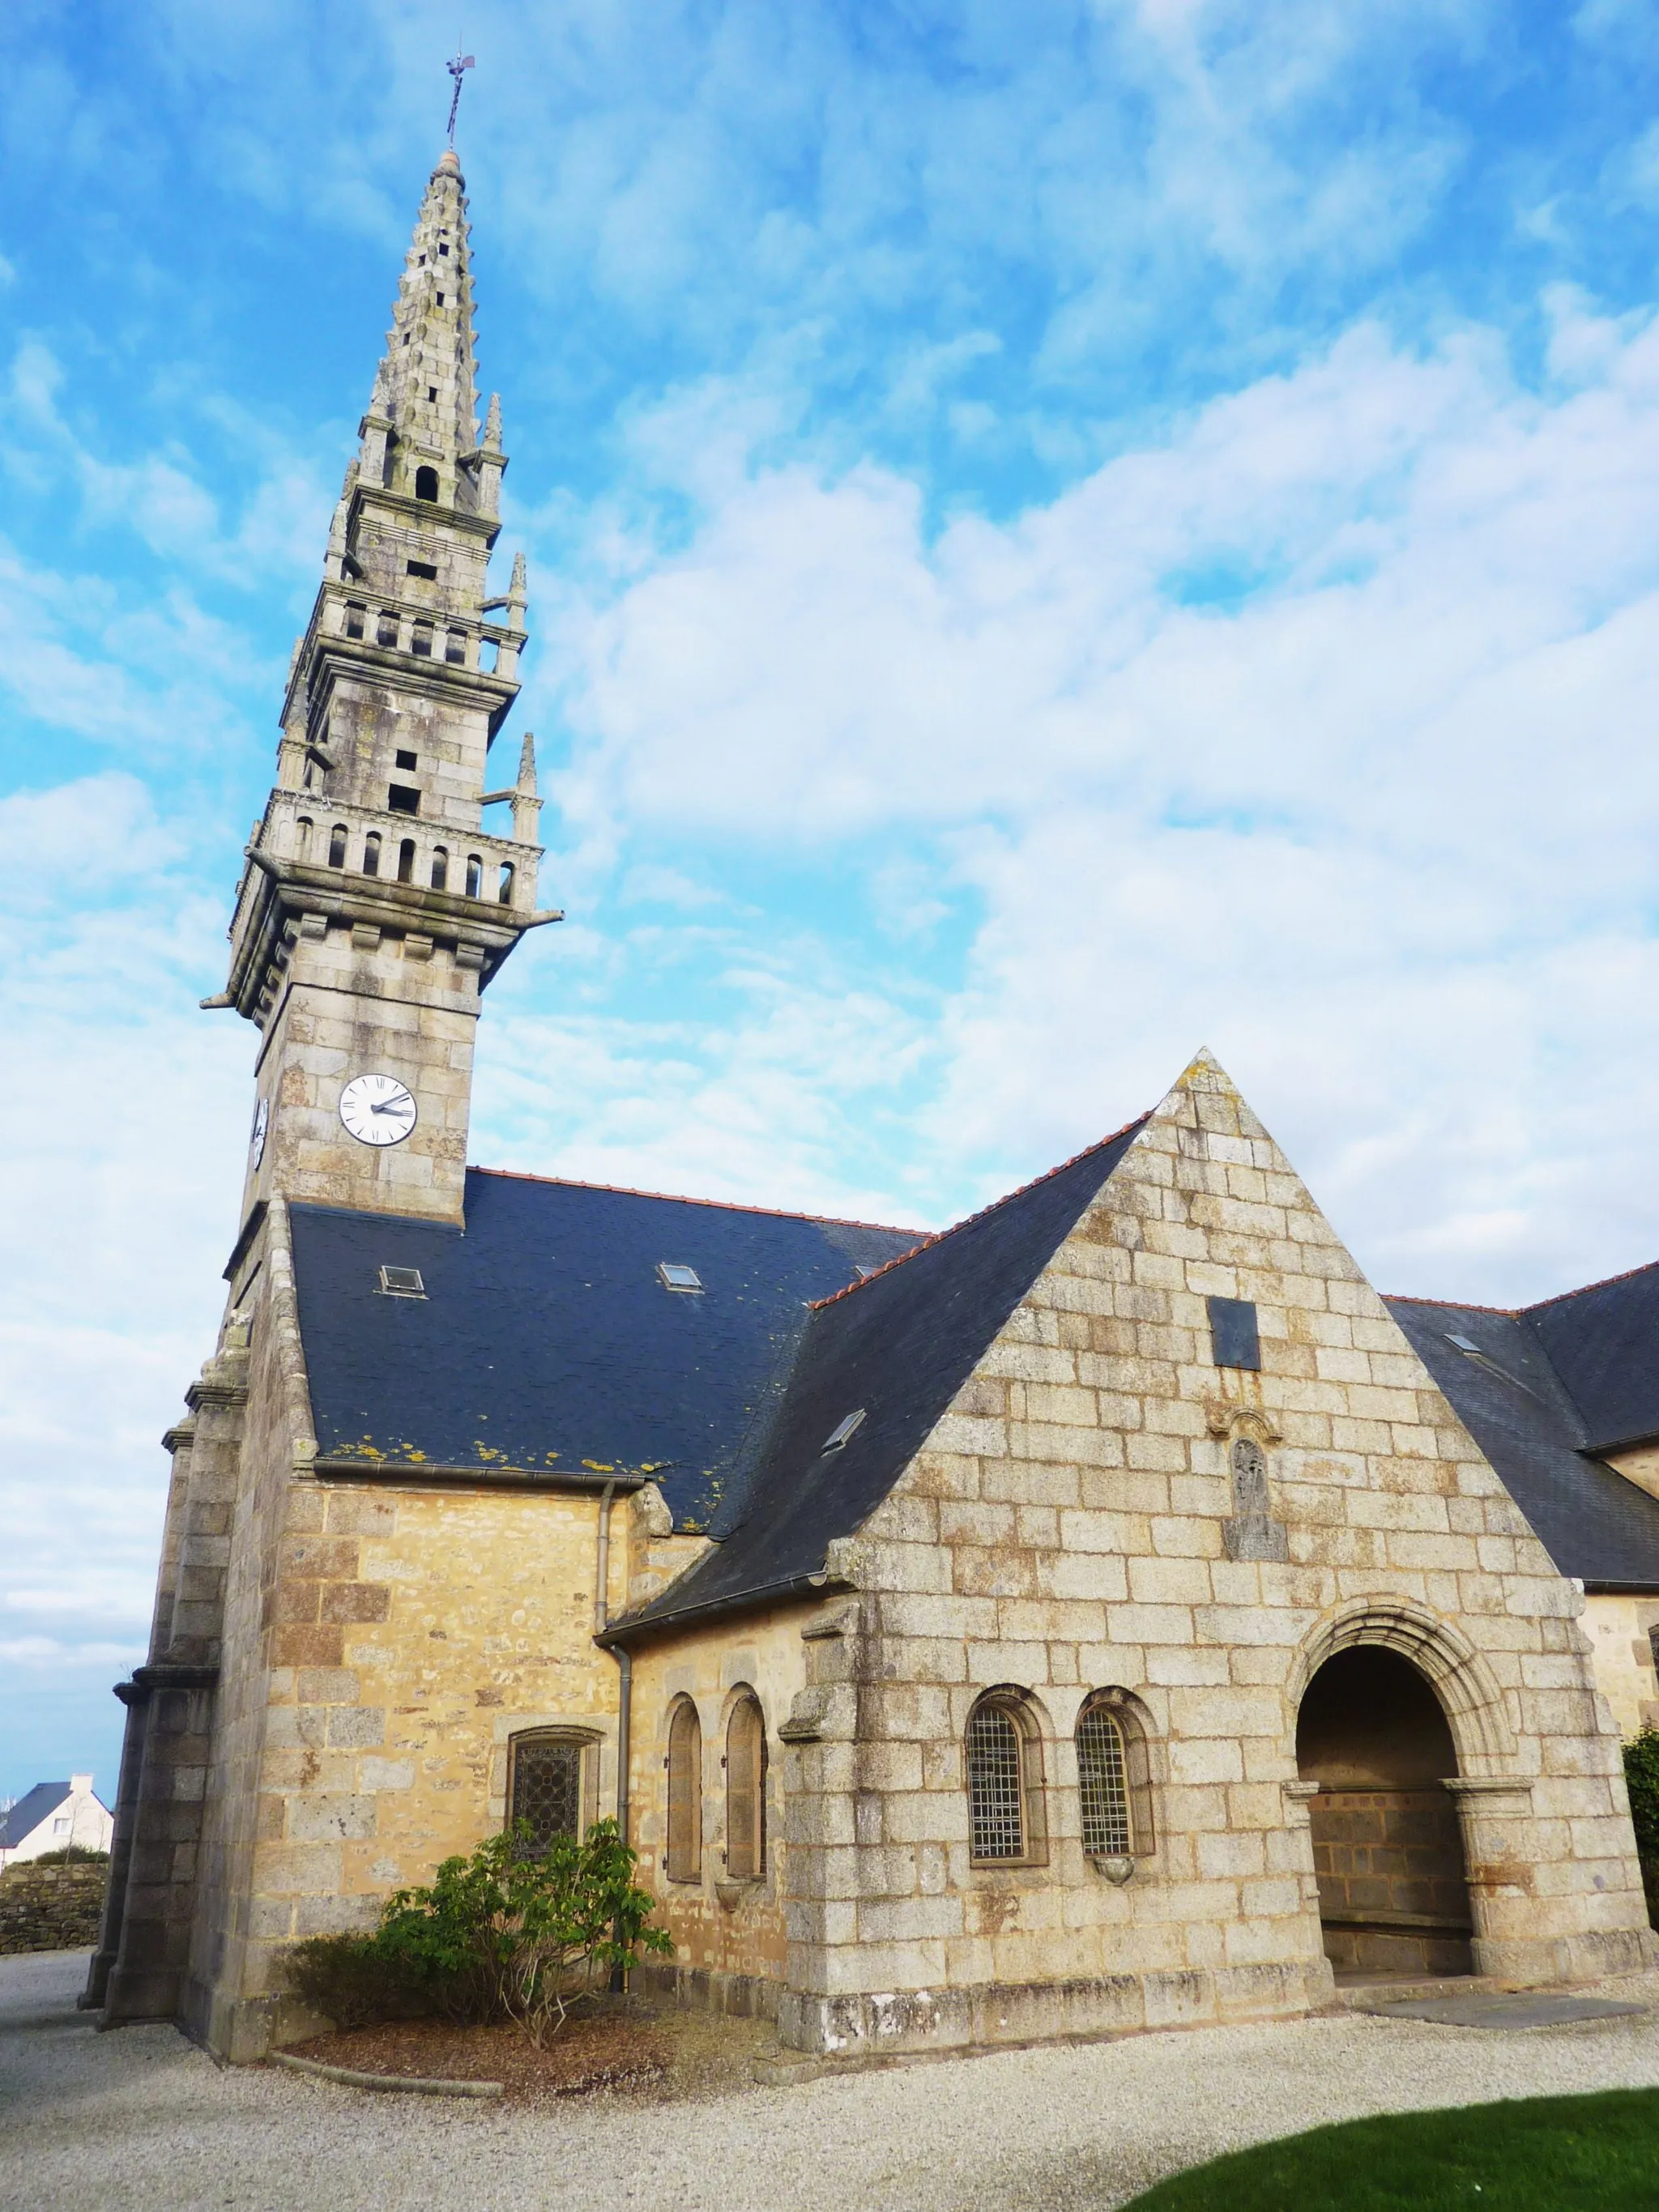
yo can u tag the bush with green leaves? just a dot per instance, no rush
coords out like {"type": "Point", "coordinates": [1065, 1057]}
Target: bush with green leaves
{"type": "Point", "coordinates": [349, 1981]}
{"type": "Point", "coordinates": [72, 1854]}
{"type": "Point", "coordinates": [513, 1933]}
{"type": "Point", "coordinates": [521, 1932]}
{"type": "Point", "coordinates": [1642, 1780]}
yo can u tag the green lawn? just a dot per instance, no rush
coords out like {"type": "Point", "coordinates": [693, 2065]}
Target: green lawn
{"type": "Point", "coordinates": [1547, 2155]}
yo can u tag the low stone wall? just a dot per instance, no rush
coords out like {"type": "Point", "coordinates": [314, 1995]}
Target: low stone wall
{"type": "Point", "coordinates": [51, 1908]}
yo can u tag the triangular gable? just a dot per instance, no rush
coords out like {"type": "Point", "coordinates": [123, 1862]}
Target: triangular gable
{"type": "Point", "coordinates": [17, 1825]}
{"type": "Point", "coordinates": [898, 1348]}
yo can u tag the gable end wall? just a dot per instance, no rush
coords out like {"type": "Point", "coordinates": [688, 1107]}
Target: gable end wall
{"type": "Point", "coordinates": [1064, 1529]}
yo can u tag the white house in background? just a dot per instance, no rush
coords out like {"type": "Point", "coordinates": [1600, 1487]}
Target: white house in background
{"type": "Point", "coordinates": [52, 1814]}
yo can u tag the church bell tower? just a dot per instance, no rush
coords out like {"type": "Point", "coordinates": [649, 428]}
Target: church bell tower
{"type": "Point", "coordinates": [374, 907]}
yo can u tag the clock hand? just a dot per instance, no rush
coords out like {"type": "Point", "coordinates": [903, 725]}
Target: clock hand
{"type": "Point", "coordinates": [396, 1106]}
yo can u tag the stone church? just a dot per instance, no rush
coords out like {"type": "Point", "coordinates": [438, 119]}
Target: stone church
{"type": "Point", "coordinates": [1110, 1613]}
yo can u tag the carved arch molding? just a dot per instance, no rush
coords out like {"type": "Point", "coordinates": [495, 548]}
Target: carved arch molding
{"type": "Point", "coordinates": [1462, 1679]}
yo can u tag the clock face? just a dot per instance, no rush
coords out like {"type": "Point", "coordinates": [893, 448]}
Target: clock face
{"type": "Point", "coordinates": [261, 1123]}
{"type": "Point", "coordinates": [377, 1110]}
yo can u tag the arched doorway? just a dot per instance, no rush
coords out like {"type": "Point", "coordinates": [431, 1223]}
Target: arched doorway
{"type": "Point", "coordinates": [1393, 1897]}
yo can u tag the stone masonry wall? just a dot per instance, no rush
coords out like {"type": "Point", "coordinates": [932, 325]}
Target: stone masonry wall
{"type": "Point", "coordinates": [51, 1908]}
{"type": "Point", "coordinates": [1066, 1528]}
{"type": "Point", "coordinates": [394, 1638]}
{"type": "Point", "coordinates": [723, 1931]}
{"type": "Point", "coordinates": [1620, 1631]}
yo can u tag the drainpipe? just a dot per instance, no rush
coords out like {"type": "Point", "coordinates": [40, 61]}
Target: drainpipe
{"type": "Point", "coordinates": [601, 1582]}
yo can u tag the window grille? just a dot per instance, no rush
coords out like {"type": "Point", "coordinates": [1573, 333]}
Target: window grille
{"type": "Point", "coordinates": [1102, 1786]}
{"type": "Point", "coordinates": [684, 1794]}
{"type": "Point", "coordinates": [546, 1788]}
{"type": "Point", "coordinates": [996, 1808]}
{"type": "Point", "coordinates": [745, 1792]}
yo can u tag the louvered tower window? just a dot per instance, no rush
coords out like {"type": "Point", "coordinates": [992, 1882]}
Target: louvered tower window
{"type": "Point", "coordinates": [1102, 1786]}
{"type": "Point", "coordinates": [684, 1794]}
{"type": "Point", "coordinates": [545, 1787]}
{"type": "Point", "coordinates": [996, 1794]}
{"type": "Point", "coordinates": [745, 1791]}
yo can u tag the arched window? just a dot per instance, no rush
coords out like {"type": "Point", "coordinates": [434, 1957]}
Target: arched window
{"type": "Point", "coordinates": [426, 483]}
{"type": "Point", "coordinates": [548, 1784]}
{"type": "Point", "coordinates": [474, 876]}
{"type": "Point", "coordinates": [504, 894]}
{"type": "Point", "coordinates": [745, 1791]}
{"type": "Point", "coordinates": [302, 835]}
{"type": "Point", "coordinates": [684, 1793]}
{"type": "Point", "coordinates": [336, 845]}
{"type": "Point", "coordinates": [406, 861]}
{"type": "Point", "coordinates": [372, 853]}
{"type": "Point", "coordinates": [1112, 1778]}
{"type": "Point", "coordinates": [1005, 1782]}
{"type": "Point", "coordinates": [439, 868]}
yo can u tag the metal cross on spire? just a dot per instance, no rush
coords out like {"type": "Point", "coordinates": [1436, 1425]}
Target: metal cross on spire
{"type": "Point", "coordinates": [455, 68]}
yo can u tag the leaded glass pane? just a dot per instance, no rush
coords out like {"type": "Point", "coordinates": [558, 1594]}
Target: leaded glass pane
{"type": "Point", "coordinates": [1101, 1786]}
{"type": "Point", "coordinates": [547, 1790]}
{"type": "Point", "coordinates": [996, 1813]}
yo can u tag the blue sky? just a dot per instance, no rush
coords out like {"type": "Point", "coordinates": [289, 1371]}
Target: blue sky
{"type": "Point", "coordinates": [1057, 534]}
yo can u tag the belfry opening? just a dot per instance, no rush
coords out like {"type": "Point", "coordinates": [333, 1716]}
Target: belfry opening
{"type": "Point", "coordinates": [1393, 1896]}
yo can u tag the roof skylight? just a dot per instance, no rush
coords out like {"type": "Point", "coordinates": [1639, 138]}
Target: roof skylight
{"type": "Point", "coordinates": [675, 1275]}
{"type": "Point", "coordinates": [1463, 1343]}
{"type": "Point", "coordinates": [842, 1431]}
{"type": "Point", "coordinates": [402, 1282]}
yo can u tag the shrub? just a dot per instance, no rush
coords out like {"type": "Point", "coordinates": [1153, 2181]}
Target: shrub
{"type": "Point", "coordinates": [71, 1855]}
{"type": "Point", "coordinates": [349, 1980]}
{"type": "Point", "coordinates": [523, 1933]}
{"type": "Point", "coordinates": [1642, 1780]}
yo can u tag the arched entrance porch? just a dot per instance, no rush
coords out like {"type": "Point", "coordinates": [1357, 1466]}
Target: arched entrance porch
{"type": "Point", "coordinates": [1394, 1893]}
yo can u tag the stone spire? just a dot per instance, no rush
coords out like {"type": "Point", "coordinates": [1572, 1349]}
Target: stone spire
{"type": "Point", "coordinates": [426, 380]}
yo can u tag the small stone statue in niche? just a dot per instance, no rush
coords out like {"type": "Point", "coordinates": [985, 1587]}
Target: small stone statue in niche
{"type": "Point", "coordinates": [1252, 1533]}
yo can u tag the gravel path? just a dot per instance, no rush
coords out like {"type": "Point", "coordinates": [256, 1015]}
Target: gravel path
{"type": "Point", "coordinates": [89, 2123]}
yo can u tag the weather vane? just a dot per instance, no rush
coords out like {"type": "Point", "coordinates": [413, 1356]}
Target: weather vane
{"type": "Point", "coordinates": [461, 62]}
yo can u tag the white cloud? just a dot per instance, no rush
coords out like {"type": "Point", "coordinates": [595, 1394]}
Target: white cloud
{"type": "Point", "coordinates": [1315, 732]}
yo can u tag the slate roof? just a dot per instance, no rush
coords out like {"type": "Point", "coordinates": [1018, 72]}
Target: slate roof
{"type": "Point", "coordinates": [546, 1340]}
{"type": "Point", "coordinates": [897, 1348]}
{"type": "Point", "coordinates": [547, 1344]}
{"type": "Point", "coordinates": [1513, 1400]}
{"type": "Point", "coordinates": [1603, 1342]}
{"type": "Point", "coordinates": [26, 1814]}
